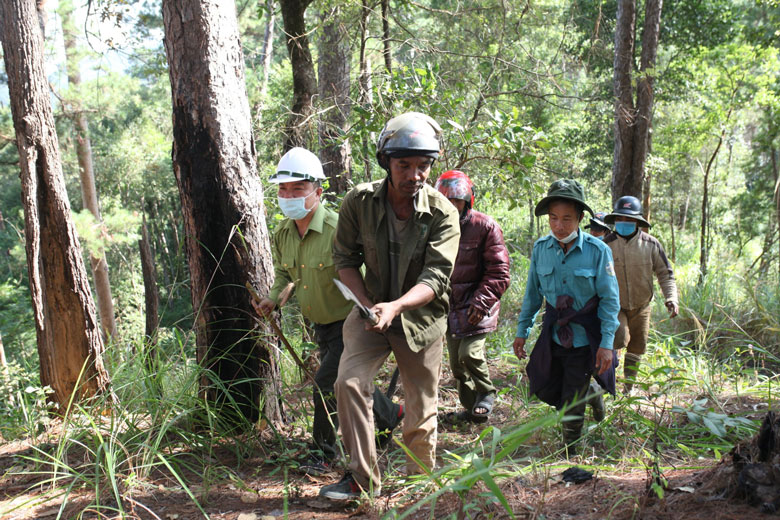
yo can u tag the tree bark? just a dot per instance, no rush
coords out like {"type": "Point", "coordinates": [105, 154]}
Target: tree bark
{"type": "Point", "coordinates": [644, 98]}
{"type": "Point", "coordinates": [4, 373]}
{"type": "Point", "coordinates": [87, 175]}
{"type": "Point", "coordinates": [633, 121]}
{"type": "Point", "coordinates": [69, 343]}
{"type": "Point", "coordinates": [703, 249]}
{"type": "Point", "coordinates": [364, 76]}
{"type": "Point", "coordinates": [386, 51]}
{"type": "Point", "coordinates": [334, 73]}
{"type": "Point", "coordinates": [268, 45]}
{"type": "Point", "coordinates": [3, 360]}
{"type": "Point", "coordinates": [298, 131]}
{"type": "Point", "coordinates": [625, 112]}
{"type": "Point", "coordinates": [686, 206]}
{"type": "Point", "coordinates": [776, 194]}
{"type": "Point", "coordinates": [365, 97]}
{"type": "Point", "coordinates": [151, 291]}
{"type": "Point", "coordinates": [222, 205]}
{"type": "Point", "coordinates": [671, 218]}
{"type": "Point", "coordinates": [40, 7]}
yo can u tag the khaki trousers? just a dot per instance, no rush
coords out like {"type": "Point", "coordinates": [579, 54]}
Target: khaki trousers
{"type": "Point", "coordinates": [633, 330]}
{"type": "Point", "coordinates": [364, 353]}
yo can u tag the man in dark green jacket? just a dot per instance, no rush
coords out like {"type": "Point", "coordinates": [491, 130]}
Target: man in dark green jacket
{"type": "Point", "coordinates": [405, 234]}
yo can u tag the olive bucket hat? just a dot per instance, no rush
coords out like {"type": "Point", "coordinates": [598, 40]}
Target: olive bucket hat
{"type": "Point", "coordinates": [565, 189]}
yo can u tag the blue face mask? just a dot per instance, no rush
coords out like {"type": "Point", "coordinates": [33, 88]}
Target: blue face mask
{"type": "Point", "coordinates": [294, 208]}
{"type": "Point", "coordinates": [625, 229]}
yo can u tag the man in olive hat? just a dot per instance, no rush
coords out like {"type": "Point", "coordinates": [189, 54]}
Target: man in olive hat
{"type": "Point", "coordinates": [597, 227]}
{"type": "Point", "coordinates": [573, 272]}
{"type": "Point", "coordinates": [637, 256]}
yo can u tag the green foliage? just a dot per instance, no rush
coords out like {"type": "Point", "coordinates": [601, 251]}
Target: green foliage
{"type": "Point", "coordinates": [716, 423]}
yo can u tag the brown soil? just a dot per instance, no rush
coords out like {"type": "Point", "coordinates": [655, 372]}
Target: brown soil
{"type": "Point", "coordinates": [258, 490]}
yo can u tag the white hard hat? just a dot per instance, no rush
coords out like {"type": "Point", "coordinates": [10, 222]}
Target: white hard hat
{"type": "Point", "coordinates": [299, 164]}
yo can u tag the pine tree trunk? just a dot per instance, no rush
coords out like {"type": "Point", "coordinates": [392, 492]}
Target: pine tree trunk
{"type": "Point", "coordinates": [644, 100]}
{"type": "Point", "coordinates": [151, 292]}
{"type": "Point", "coordinates": [334, 73]}
{"type": "Point", "coordinates": [69, 342]}
{"type": "Point", "coordinates": [625, 112]}
{"type": "Point", "coordinates": [87, 175]}
{"type": "Point", "coordinates": [633, 121]}
{"type": "Point", "coordinates": [365, 96]}
{"type": "Point", "coordinates": [299, 131]}
{"type": "Point", "coordinates": [268, 47]}
{"type": "Point", "coordinates": [386, 50]}
{"type": "Point", "coordinates": [222, 204]}
{"type": "Point", "coordinates": [43, 18]}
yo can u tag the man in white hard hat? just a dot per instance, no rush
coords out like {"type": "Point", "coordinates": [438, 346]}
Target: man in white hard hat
{"type": "Point", "coordinates": [302, 253]}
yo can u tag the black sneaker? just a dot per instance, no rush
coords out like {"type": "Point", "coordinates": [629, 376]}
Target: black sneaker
{"type": "Point", "coordinates": [344, 489]}
{"type": "Point", "coordinates": [316, 467]}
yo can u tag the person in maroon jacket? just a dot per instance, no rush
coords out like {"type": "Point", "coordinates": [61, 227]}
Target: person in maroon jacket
{"type": "Point", "coordinates": [480, 277]}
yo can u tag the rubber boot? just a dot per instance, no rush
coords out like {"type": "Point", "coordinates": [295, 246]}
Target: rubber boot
{"type": "Point", "coordinates": [572, 432]}
{"type": "Point", "coordinates": [630, 368]}
{"type": "Point", "coordinates": [596, 401]}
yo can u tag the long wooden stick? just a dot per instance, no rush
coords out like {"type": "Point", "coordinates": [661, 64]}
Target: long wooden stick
{"type": "Point", "coordinates": [284, 296]}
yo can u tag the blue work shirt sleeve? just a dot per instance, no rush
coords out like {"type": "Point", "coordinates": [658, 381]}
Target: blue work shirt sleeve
{"type": "Point", "coordinates": [609, 298]}
{"type": "Point", "coordinates": [532, 301]}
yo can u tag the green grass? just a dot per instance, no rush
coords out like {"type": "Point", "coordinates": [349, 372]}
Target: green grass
{"type": "Point", "coordinates": [706, 377]}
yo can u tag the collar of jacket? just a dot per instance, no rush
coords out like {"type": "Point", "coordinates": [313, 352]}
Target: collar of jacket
{"type": "Point", "coordinates": [421, 204]}
{"type": "Point", "coordinates": [318, 220]}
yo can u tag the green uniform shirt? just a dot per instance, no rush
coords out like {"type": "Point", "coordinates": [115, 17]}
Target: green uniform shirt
{"type": "Point", "coordinates": [426, 257]}
{"type": "Point", "coordinates": [308, 262]}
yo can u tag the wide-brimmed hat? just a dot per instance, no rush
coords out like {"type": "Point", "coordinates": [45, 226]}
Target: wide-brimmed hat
{"type": "Point", "coordinates": [565, 189]}
{"type": "Point", "coordinates": [597, 221]}
{"type": "Point", "coordinates": [628, 206]}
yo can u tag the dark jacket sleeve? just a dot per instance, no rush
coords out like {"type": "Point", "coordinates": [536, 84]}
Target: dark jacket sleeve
{"type": "Point", "coordinates": [495, 279]}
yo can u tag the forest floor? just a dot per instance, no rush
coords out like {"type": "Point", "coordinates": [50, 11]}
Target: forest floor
{"type": "Point", "coordinates": [255, 488]}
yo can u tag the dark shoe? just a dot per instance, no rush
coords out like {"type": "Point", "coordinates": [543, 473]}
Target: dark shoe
{"type": "Point", "coordinates": [344, 489]}
{"type": "Point", "coordinates": [316, 467]}
{"type": "Point", "coordinates": [483, 401]}
{"type": "Point", "coordinates": [572, 431]}
{"type": "Point", "coordinates": [383, 437]}
{"type": "Point", "coordinates": [463, 417]}
{"type": "Point", "coordinates": [596, 402]}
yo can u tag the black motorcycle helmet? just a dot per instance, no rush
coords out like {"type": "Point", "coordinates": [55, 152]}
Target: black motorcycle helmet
{"type": "Point", "coordinates": [597, 222]}
{"type": "Point", "coordinates": [627, 206]}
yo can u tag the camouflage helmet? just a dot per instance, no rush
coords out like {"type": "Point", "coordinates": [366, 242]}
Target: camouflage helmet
{"type": "Point", "coordinates": [407, 135]}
